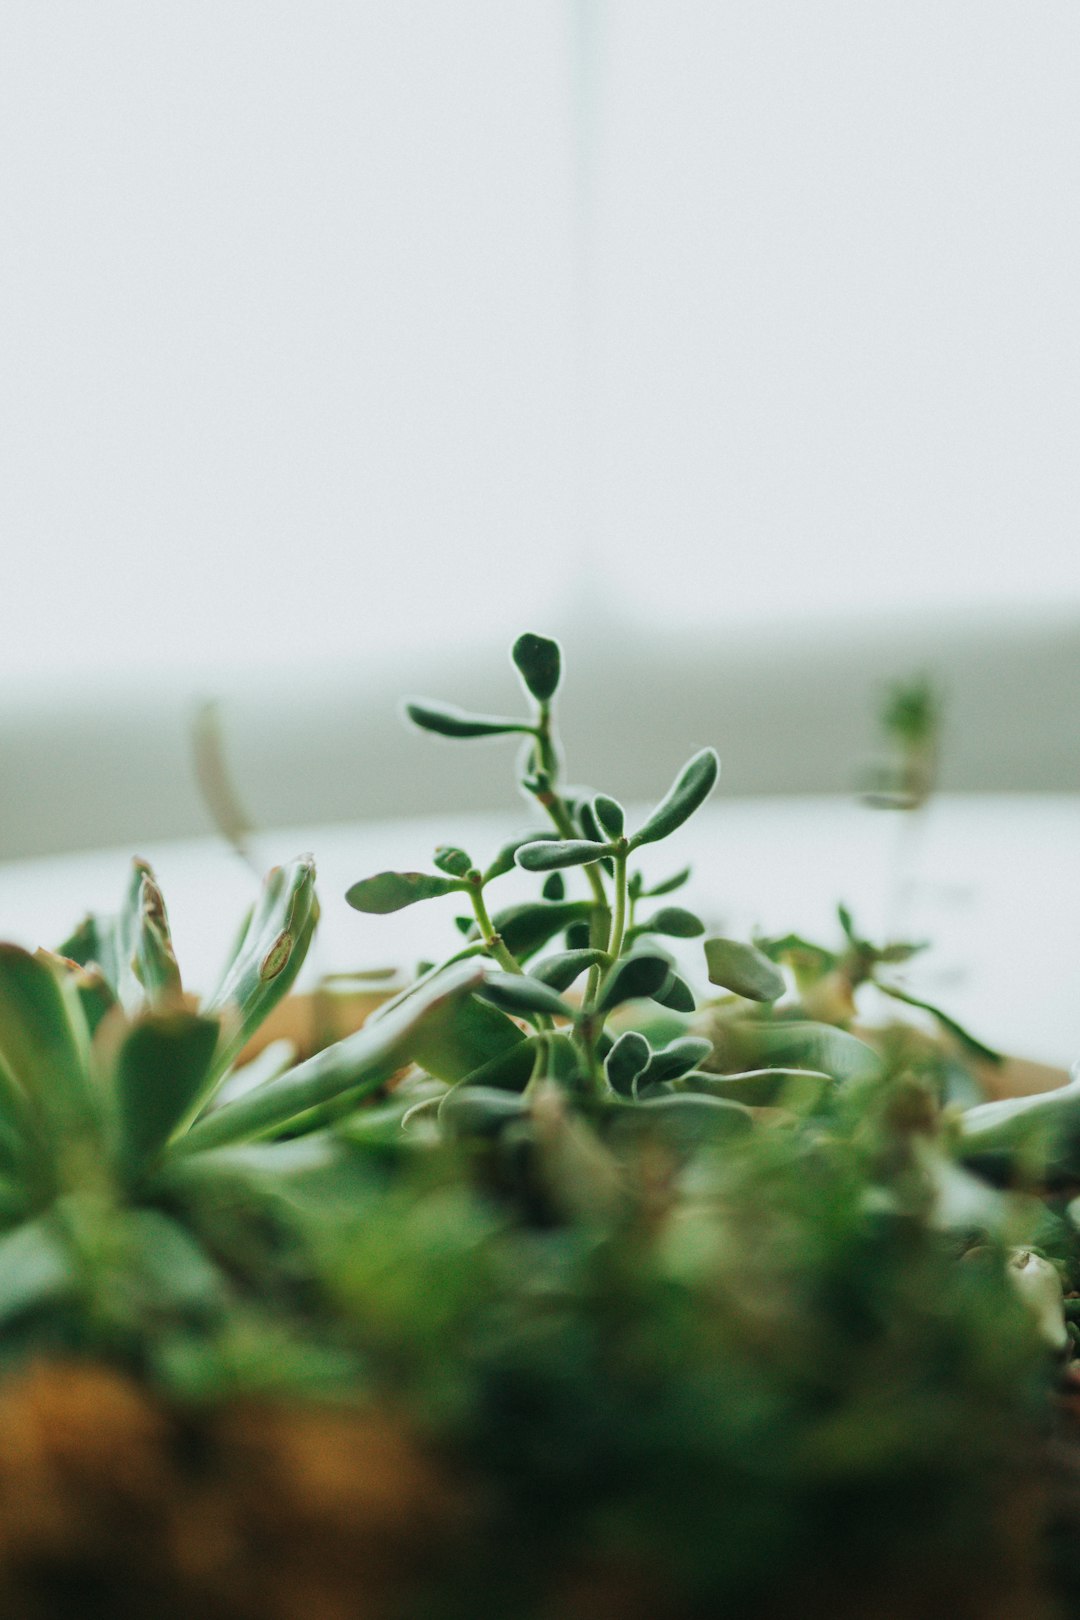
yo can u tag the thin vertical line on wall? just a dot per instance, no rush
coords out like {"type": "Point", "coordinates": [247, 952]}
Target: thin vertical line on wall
{"type": "Point", "coordinates": [586, 31]}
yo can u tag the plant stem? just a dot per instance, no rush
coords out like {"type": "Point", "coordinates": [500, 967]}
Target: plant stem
{"type": "Point", "coordinates": [493, 940]}
{"type": "Point", "coordinates": [497, 946]}
{"type": "Point", "coordinates": [618, 921]}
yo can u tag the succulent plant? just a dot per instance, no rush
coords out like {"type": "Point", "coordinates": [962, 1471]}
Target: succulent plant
{"type": "Point", "coordinates": [114, 1091]}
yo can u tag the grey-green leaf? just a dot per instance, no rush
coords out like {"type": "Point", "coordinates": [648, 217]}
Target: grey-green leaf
{"type": "Point", "coordinates": [634, 977]}
{"type": "Point", "coordinates": [675, 921]}
{"type": "Point", "coordinates": [549, 855]}
{"type": "Point", "coordinates": [160, 1070]}
{"type": "Point", "coordinates": [538, 660]}
{"type": "Point", "coordinates": [628, 1058]}
{"type": "Point", "coordinates": [357, 1065]}
{"type": "Point", "coordinates": [679, 1057]}
{"type": "Point", "coordinates": [447, 720]}
{"type": "Point", "coordinates": [974, 1047]}
{"type": "Point", "coordinates": [393, 891]}
{"type": "Point", "coordinates": [743, 969]}
{"type": "Point", "coordinates": [560, 970]}
{"type": "Point", "coordinates": [523, 996]}
{"type": "Point", "coordinates": [453, 861]}
{"type": "Point", "coordinates": [527, 927]}
{"type": "Point", "coordinates": [270, 952]}
{"type": "Point", "coordinates": [687, 793]}
{"type": "Point", "coordinates": [676, 994]}
{"type": "Point", "coordinates": [609, 814]}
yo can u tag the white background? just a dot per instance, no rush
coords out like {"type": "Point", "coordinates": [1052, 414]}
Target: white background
{"type": "Point", "coordinates": [326, 328]}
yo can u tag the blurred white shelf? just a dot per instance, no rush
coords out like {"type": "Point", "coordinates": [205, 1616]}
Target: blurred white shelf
{"type": "Point", "coordinates": [997, 886]}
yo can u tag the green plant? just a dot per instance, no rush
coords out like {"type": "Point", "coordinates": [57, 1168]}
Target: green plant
{"type": "Point", "coordinates": [115, 1096]}
{"type": "Point", "coordinates": [709, 1307]}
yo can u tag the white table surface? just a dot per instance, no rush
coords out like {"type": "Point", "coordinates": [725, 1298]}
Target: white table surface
{"type": "Point", "coordinates": [995, 884]}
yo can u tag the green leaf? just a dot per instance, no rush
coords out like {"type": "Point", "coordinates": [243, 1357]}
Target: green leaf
{"type": "Point", "coordinates": [561, 970]}
{"type": "Point", "coordinates": [975, 1048]}
{"type": "Point", "coordinates": [689, 1119]}
{"type": "Point", "coordinates": [676, 994]}
{"type": "Point", "coordinates": [358, 1065]}
{"type": "Point", "coordinates": [393, 891]}
{"type": "Point", "coordinates": [160, 1071]}
{"type": "Point", "coordinates": [36, 1269]}
{"type": "Point", "coordinates": [550, 854]}
{"type": "Point", "coordinates": [688, 793]}
{"type": "Point", "coordinates": [674, 921]}
{"type": "Point", "coordinates": [447, 720]}
{"type": "Point", "coordinates": [1042, 1130]}
{"type": "Point", "coordinates": [509, 1070]}
{"type": "Point", "coordinates": [668, 886]}
{"type": "Point", "coordinates": [465, 925]}
{"type": "Point", "coordinates": [269, 954]}
{"type": "Point", "coordinates": [847, 923]}
{"type": "Point", "coordinates": [743, 969]}
{"type": "Point", "coordinates": [679, 1057]}
{"type": "Point", "coordinates": [152, 957]}
{"type": "Point", "coordinates": [632, 978]}
{"type": "Point", "coordinates": [610, 815]}
{"type": "Point", "coordinates": [453, 861]}
{"type": "Point", "coordinates": [628, 1058]}
{"type": "Point", "coordinates": [132, 950]}
{"type": "Point", "coordinates": [798, 1090]}
{"type": "Point", "coordinates": [527, 927]}
{"type": "Point", "coordinates": [803, 1044]}
{"type": "Point", "coordinates": [522, 995]}
{"type": "Point", "coordinates": [539, 663]}
{"type": "Point", "coordinates": [479, 1110]}
{"type": "Point", "coordinates": [43, 1050]}
{"type": "Point", "coordinates": [554, 887]}
{"type": "Point", "coordinates": [504, 859]}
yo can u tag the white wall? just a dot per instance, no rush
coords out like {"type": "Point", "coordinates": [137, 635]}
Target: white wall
{"type": "Point", "coordinates": [334, 336]}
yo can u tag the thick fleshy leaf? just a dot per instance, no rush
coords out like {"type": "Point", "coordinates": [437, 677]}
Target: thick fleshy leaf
{"type": "Point", "coordinates": [153, 957]}
{"type": "Point", "coordinates": [270, 953]}
{"type": "Point", "coordinates": [633, 978]}
{"type": "Point", "coordinates": [675, 921]}
{"type": "Point", "coordinates": [133, 950]}
{"type": "Point", "coordinates": [554, 887]}
{"type": "Point", "coordinates": [628, 1058]}
{"type": "Point", "coordinates": [687, 793]}
{"type": "Point", "coordinates": [539, 663]}
{"type": "Point", "coordinates": [447, 720]}
{"type": "Point", "coordinates": [479, 1110]}
{"type": "Point", "coordinates": [743, 969]}
{"type": "Point", "coordinates": [357, 1065]}
{"type": "Point", "coordinates": [36, 1269]}
{"type": "Point", "coordinates": [393, 891]}
{"type": "Point", "coordinates": [798, 1090]}
{"type": "Point", "coordinates": [1041, 1130]}
{"type": "Point", "coordinates": [43, 1049]}
{"type": "Point", "coordinates": [504, 859]}
{"type": "Point", "coordinates": [550, 854]}
{"type": "Point", "coordinates": [160, 1070]}
{"type": "Point", "coordinates": [561, 970]}
{"type": "Point", "coordinates": [528, 927]}
{"type": "Point", "coordinates": [609, 815]}
{"type": "Point", "coordinates": [510, 1070]}
{"type": "Point", "coordinates": [668, 886]}
{"type": "Point", "coordinates": [676, 994]}
{"type": "Point", "coordinates": [679, 1057]}
{"type": "Point", "coordinates": [453, 861]}
{"type": "Point", "coordinates": [461, 1036]}
{"type": "Point", "coordinates": [690, 1121]}
{"type": "Point", "coordinates": [523, 996]}
{"type": "Point", "coordinates": [802, 1044]}
{"type": "Point", "coordinates": [974, 1047]}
